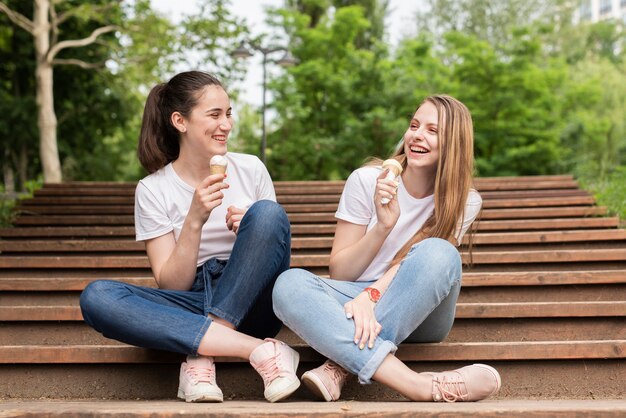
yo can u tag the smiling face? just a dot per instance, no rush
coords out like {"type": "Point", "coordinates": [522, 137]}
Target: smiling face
{"type": "Point", "coordinates": [209, 124]}
{"type": "Point", "coordinates": [421, 140]}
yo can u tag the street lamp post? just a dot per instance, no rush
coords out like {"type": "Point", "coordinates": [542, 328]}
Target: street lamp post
{"type": "Point", "coordinates": [287, 60]}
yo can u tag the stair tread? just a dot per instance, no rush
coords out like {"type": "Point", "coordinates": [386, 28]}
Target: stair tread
{"type": "Point", "coordinates": [468, 351]}
{"type": "Point", "coordinates": [261, 408]}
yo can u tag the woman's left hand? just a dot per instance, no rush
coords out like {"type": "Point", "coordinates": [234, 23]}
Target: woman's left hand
{"type": "Point", "coordinates": [234, 216]}
{"type": "Point", "coordinates": [366, 327]}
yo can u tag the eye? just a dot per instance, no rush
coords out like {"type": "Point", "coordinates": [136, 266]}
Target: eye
{"type": "Point", "coordinates": [215, 115]}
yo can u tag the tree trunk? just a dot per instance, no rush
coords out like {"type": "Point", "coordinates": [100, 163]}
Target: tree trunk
{"type": "Point", "coordinates": [46, 118]}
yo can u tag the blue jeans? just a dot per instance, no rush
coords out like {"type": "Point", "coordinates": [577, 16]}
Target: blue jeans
{"type": "Point", "coordinates": [238, 290]}
{"type": "Point", "coordinates": [418, 306]}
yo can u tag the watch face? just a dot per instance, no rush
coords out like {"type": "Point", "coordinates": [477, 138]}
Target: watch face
{"type": "Point", "coordinates": [374, 294]}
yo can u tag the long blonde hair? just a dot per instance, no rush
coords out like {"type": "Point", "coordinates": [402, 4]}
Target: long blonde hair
{"type": "Point", "coordinates": [455, 169]}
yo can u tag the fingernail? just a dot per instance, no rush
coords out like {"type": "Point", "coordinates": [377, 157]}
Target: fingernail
{"type": "Point", "coordinates": [356, 341]}
{"type": "Point", "coordinates": [371, 345]}
{"type": "Point", "coordinates": [348, 315]}
{"type": "Point", "coordinates": [362, 346]}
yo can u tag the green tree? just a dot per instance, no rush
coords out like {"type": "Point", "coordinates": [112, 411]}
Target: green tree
{"type": "Point", "coordinates": [514, 103]}
{"type": "Point", "coordinates": [330, 112]}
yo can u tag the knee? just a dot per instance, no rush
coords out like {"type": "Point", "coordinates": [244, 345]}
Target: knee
{"type": "Point", "coordinates": [442, 255]}
{"type": "Point", "coordinates": [267, 216]}
{"type": "Point", "coordinates": [286, 290]}
{"type": "Point", "coordinates": [93, 297]}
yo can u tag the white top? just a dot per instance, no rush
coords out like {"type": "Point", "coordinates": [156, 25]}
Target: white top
{"type": "Point", "coordinates": [357, 206]}
{"type": "Point", "coordinates": [162, 201]}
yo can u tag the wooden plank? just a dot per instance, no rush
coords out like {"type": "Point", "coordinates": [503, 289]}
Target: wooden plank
{"type": "Point", "coordinates": [68, 231]}
{"type": "Point", "coordinates": [76, 210]}
{"type": "Point", "coordinates": [545, 224]}
{"type": "Point", "coordinates": [533, 350]}
{"type": "Point", "coordinates": [83, 245]}
{"type": "Point", "coordinates": [319, 260]}
{"type": "Point", "coordinates": [74, 220]}
{"type": "Point", "coordinates": [543, 278]}
{"type": "Point", "coordinates": [76, 281]}
{"type": "Point", "coordinates": [91, 245]}
{"type": "Point", "coordinates": [548, 236]}
{"type": "Point", "coordinates": [527, 350]}
{"type": "Point", "coordinates": [541, 309]}
{"type": "Point", "coordinates": [463, 310]}
{"type": "Point", "coordinates": [542, 256]}
{"type": "Point", "coordinates": [538, 202]}
{"type": "Point", "coordinates": [530, 213]}
{"type": "Point", "coordinates": [316, 242]}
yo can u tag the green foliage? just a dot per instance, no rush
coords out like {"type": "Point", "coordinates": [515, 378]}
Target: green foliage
{"type": "Point", "coordinates": [609, 191]}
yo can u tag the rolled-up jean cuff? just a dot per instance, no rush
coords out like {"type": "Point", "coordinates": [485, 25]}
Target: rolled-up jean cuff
{"type": "Point", "coordinates": [199, 335]}
{"type": "Point", "coordinates": [221, 314]}
{"type": "Point", "coordinates": [366, 373]}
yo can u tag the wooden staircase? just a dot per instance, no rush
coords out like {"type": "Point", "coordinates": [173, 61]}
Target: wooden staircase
{"type": "Point", "coordinates": [544, 302]}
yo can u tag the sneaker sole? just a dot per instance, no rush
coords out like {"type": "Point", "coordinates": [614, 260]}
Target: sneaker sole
{"type": "Point", "coordinates": [495, 374]}
{"type": "Point", "coordinates": [202, 397]}
{"type": "Point", "coordinates": [315, 386]}
{"type": "Point", "coordinates": [285, 392]}
{"type": "Point", "coordinates": [292, 387]}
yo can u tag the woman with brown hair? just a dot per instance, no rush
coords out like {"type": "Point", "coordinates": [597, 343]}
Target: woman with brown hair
{"type": "Point", "coordinates": [216, 243]}
{"type": "Point", "coordinates": [394, 267]}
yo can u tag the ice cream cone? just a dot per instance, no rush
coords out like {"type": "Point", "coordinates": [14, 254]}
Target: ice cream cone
{"type": "Point", "coordinates": [395, 169]}
{"type": "Point", "coordinates": [218, 164]}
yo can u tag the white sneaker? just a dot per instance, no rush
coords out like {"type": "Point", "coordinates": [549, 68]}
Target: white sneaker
{"type": "Point", "coordinates": [276, 362]}
{"type": "Point", "coordinates": [197, 381]}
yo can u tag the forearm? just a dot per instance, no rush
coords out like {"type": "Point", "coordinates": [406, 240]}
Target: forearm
{"type": "Point", "coordinates": [350, 262]}
{"type": "Point", "coordinates": [179, 271]}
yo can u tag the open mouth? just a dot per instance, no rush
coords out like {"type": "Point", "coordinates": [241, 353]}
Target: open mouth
{"type": "Point", "coordinates": [416, 149]}
{"type": "Point", "coordinates": [219, 138]}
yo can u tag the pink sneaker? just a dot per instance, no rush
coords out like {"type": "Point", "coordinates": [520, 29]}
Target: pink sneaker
{"type": "Point", "coordinates": [197, 381]}
{"type": "Point", "coordinates": [326, 381]}
{"type": "Point", "coordinates": [276, 362]}
{"type": "Point", "coordinates": [469, 383]}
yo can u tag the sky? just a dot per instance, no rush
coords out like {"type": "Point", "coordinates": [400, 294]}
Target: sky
{"type": "Point", "coordinates": [399, 24]}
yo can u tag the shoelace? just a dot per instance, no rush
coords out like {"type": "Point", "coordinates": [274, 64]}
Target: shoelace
{"type": "Point", "coordinates": [336, 372]}
{"type": "Point", "coordinates": [201, 374]}
{"type": "Point", "coordinates": [451, 389]}
{"type": "Point", "coordinates": [269, 369]}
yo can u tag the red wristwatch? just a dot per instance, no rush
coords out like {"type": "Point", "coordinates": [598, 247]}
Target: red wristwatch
{"type": "Point", "coordinates": [374, 294]}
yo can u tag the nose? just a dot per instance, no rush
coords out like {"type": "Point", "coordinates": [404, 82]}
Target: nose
{"type": "Point", "coordinates": [226, 124]}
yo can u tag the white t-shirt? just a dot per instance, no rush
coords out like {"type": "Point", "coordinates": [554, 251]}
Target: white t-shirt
{"type": "Point", "coordinates": [357, 206]}
{"type": "Point", "coordinates": [162, 201]}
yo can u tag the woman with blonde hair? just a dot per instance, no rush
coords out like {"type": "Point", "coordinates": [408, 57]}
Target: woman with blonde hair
{"type": "Point", "coordinates": [394, 266]}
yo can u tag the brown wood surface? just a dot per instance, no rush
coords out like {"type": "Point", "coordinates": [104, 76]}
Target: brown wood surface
{"type": "Point", "coordinates": [463, 310]}
{"type": "Point", "coordinates": [545, 350]}
{"type": "Point", "coordinates": [65, 280]}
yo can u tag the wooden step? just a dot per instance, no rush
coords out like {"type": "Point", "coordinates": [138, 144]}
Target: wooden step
{"type": "Point", "coordinates": [65, 280]}
{"type": "Point", "coordinates": [346, 408]}
{"type": "Point", "coordinates": [123, 231]}
{"type": "Point", "coordinates": [463, 310]}
{"type": "Point", "coordinates": [95, 245]}
{"type": "Point", "coordinates": [500, 351]}
{"type": "Point", "coordinates": [463, 330]}
{"type": "Point", "coordinates": [319, 260]}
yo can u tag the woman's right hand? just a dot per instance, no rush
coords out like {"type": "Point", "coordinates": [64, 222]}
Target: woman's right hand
{"type": "Point", "coordinates": [207, 196]}
{"type": "Point", "coordinates": [387, 214]}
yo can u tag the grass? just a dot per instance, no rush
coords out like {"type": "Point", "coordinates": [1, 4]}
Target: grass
{"type": "Point", "coordinates": [609, 192]}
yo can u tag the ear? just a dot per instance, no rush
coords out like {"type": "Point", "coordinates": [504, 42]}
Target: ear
{"type": "Point", "coordinates": [179, 122]}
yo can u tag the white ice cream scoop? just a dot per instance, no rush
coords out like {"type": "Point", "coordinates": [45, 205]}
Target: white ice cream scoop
{"type": "Point", "coordinates": [395, 169]}
{"type": "Point", "coordinates": [218, 164]}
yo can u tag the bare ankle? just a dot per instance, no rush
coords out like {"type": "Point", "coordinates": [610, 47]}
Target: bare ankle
{"type": "Point", "coordinates": [421, 388]}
